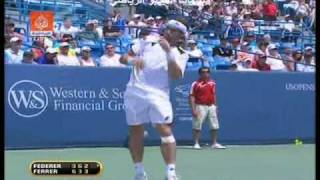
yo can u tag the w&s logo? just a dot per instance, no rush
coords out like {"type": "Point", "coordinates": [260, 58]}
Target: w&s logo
{"type": "Point", "coordinates": [27, 98]}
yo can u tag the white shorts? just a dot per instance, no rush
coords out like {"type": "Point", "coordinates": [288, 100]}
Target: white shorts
{"type": "Point", "coordinates": [206, 113]}
{"type": "Point", "coordinates": [148, 108]}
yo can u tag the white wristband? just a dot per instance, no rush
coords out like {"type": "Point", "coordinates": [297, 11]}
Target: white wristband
{"type": "Point", "coordinates": [170, 57]}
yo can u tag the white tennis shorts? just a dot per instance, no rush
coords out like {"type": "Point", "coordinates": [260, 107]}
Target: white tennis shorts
{"type": "Point", "coordinates": [147, 109]}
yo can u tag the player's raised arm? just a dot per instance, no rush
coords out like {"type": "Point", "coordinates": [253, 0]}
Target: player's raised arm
{"type": "Point", "coordinates": [131, 57]}
{"type": "Point", "coordinates": [173, 37]}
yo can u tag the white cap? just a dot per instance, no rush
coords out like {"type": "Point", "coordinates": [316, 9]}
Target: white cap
{"type": "Point", "coordinates": [85, 48]}
{"type": "Point", "coordinates": [51, 50]}
{"type": "Point", "coordinates": [267, 36]}
{"type": "Point", "coordinates": [232, 2]}
{"type": "Point", "coordinates": [150, 18]}
{"type": "Point", "coordinates": [245, 43]}
{"type": "Point", "coordinates": [308, 48]}
{"type": "Point", "coordinates": [64, 44]}
{"type": "Point", "coordinates": [14, 39]}
{"type": "Point", "coordinates": [177, 25]}
{"type": "Point", "coordinates": [205, 21]}
{"type": "Point", "coordinates": [191, 41]}
{"type": "Point", "coordinates": [158, 17]}
{"type": "Point", "coordinates": [90, 22]}
{"type": "Point", "coordinates": [273, 46]}
{"type": "Point", "coordinates": [95, 21]}
{"type": "Point", "coordinates": [77, 50]}
{"type": "Point", "coordinates": [136, 15]}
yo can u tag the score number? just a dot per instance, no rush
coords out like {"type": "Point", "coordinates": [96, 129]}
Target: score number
{"type": "Point", "coordinates": [65, 168]}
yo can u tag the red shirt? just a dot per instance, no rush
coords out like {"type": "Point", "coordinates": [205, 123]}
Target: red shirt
{"type": "Point", "coordinates": [270, 9]}
{"type": "Point", "coordinates": [261, 67]}
{"type": "Point", "coordinates": [204, 92]}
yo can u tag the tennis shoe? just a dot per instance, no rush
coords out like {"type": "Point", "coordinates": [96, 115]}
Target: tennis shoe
{"type": "Point", "coordinates": [172, 177]}
{"type": "Point", "coordinates": [141, 176]}
{"type": "Point", "coordinates": [196, 146]}
{"type": "Point", "coordinates": [218, 146]}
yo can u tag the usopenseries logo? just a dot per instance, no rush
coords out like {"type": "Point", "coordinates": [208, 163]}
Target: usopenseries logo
{"type": "Point", "coordinates": [27, 98]}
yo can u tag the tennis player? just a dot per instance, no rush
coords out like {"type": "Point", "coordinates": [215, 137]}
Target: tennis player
{"type": "Point", "coordinates": [155, 62]}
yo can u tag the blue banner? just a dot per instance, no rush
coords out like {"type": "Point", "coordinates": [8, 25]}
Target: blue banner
{"type": "Point", "coordinates": [49, 106]}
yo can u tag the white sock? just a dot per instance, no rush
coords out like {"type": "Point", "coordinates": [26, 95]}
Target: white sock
{"type": "Point", "coordinates": [138, 167]}
{"type": "Point", "coordinates": [171, 169]}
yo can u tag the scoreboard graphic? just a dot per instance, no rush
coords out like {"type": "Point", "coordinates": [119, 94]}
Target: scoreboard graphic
{"type": "Point", "coordinates": [56, 168]}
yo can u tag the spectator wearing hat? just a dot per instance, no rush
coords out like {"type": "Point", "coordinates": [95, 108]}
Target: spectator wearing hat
{"type": "Point", "coordinates": [66, 28]}
{"type": "Point", "coordinates": [274, 59]}
{"type": "Point", "coordinates": [50, 57]}
{"type": "Point", "coordinates": [110, 58]}
{"type": "Point", "coordinates": [194, 51]}
{"type": "Point", "coordinates": [64, 59]}
{"type": "Point", "coordinates": [73, 47]}
{"type": "Point", "coordinates": [89, 35]}
{"type": "Point", "coordinates": [28, 58]}
{"type": "Point", "coordinates": [309, 55]}
{"type": "Point", "coordinates": [14, 54]}
{"type": "Point", "coordinates": [203, 102]}
{"type": "Point", "coordinates": [111, 30]}
{"type": "Point", "coordinates": [135, 24]}
{"type": "Point", "coordinates": [260, 63]}
{"type": "Point", "coordinates": [86, 59]}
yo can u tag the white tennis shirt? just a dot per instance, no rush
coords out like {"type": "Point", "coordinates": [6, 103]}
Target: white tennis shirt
{"type": "Point", "coordinates": [154, 77]}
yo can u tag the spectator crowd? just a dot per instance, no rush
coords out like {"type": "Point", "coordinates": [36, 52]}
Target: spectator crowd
{"type": "Point", "coordinates": [234, 24]}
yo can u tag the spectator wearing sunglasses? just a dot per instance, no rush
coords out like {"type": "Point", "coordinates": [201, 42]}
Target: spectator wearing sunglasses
{"type": "Point", "coordinates": [110, 58]}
